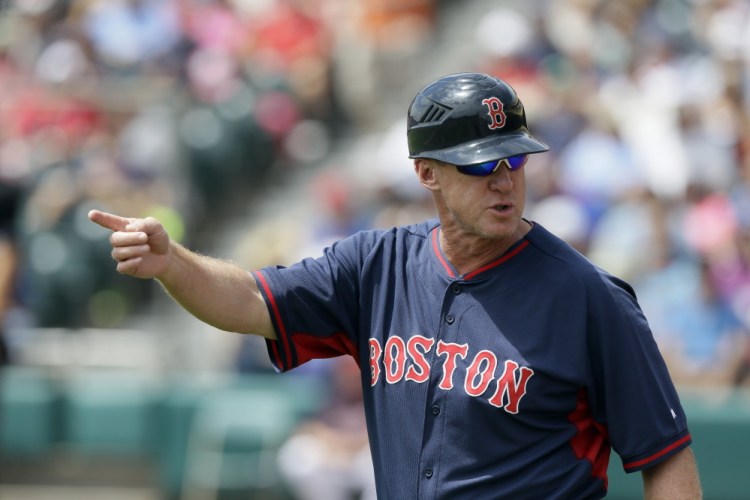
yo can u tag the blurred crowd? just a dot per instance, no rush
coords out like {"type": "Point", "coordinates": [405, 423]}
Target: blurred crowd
{"type": "Point", "coordinates": [181, 109]}
{"type": "Point", "coordinates": [646, 105]}
{"type": "Point", "coordinates": [189, 110]}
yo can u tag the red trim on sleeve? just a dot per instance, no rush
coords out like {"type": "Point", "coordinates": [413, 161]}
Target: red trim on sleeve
{"type": "Point", "coordinates": [275, 352]}
{"type": "Point", "coordinates": [639, 463]}
{"type": "Point", "coordinates": [284, 339]}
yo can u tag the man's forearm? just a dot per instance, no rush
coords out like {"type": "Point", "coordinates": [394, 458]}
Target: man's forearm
{"type": "Point", "coordinates": [675, 478]}
{"type": "Point", "coordinates": [216, 291]}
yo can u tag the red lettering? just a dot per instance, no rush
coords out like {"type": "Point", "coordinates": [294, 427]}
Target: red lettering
{"type": "Point", "coordinates": [451, 351]}
{"type": "Point", "coordinates": [497, 115]}
{"type": "Point", "coordinates": [395, 359]}
{"type": "Point", "coordinates": [375, 353]}
{"type": "Point", "coordinates": [507, 387]}
{"type": "Point", "coordinates": [480, 373]}
{"type": "Point", "coordinates": [420, 371]}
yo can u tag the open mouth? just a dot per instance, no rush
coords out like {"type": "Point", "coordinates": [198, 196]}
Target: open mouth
{"type": "Point", "coordinates": [503, 207]}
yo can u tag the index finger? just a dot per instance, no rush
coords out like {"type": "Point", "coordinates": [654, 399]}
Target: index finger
{"type": "Point", "coordinates": [109, 221]}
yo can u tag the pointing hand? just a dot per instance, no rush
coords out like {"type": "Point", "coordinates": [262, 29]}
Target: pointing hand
{"type": "Point", "coordinates": [140, 246]}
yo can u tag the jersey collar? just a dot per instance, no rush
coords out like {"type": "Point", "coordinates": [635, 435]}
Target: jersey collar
{"type": "Point", "coordinates": [514, 250]}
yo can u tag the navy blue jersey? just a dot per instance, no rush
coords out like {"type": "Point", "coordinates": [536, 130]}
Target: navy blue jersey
{"type": "Point", "coordinates": [513, 380]}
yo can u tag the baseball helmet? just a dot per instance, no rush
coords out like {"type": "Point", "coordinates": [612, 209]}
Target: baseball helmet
{"type": "Point", "coordinates": [468, 118]}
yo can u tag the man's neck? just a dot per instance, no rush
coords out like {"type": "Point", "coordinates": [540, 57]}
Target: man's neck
{"type": "Point", "coordinates": [468, 252]}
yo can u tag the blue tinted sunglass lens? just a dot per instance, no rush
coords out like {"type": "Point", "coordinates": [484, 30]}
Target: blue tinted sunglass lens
{"type": "Point", "coordinates": [480, 169]}
{"type": "Point", "coordinates": [516, 162]}
{"type": "Point", "coordinates": [486, 168]}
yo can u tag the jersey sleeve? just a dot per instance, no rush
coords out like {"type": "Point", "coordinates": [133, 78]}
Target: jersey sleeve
{"type": "Point", "coordinates": [314, 305]}
{"type": "Point", "coordinates": [633, 393]}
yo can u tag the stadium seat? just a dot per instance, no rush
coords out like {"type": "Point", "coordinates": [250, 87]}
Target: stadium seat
{"type": "Point", "coordinates": [233, 443]}
{"type": "Point", "coordinates": [109, 412]}
{"type": "Point", "coordinates": [27, 411]}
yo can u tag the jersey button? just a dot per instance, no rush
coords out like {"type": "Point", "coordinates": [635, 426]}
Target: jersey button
{"type": "Point", "coordinates": [456, 289]}
{"type": "Point", "coordinates": [428, 473]}
{"type": "Point", "coordinates": [435, 409]}
{"type": "Point", "coordinates": [450, 319]}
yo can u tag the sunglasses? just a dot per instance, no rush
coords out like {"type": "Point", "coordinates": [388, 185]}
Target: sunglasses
{"type": "Point", "coordinates": [486, 168]}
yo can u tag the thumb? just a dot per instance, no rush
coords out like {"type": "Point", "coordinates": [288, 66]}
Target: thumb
{"type": "Point", "coordinates": [154, 229]}
{"type": "Point", "coordinates": [109, 221]}
{"type": "Point", "coordinates": [149, 225]}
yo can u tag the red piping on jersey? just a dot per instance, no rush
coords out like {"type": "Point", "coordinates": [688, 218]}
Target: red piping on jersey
{"type": "Point", "coordinates": [638, 463]}
{"type": "Point", "coordinates": [499, 261]}
{"type": "Point", "coordinates": [504, 258]}
{"type": "Point", "coordinates": [439, 253]}
{"type": "Point", "coordinates": [591, 442]}
{"type": "Point", "coordinates": [277, 315]}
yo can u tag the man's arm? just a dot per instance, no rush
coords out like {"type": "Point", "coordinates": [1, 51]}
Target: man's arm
{"type": "Point", "coordinates": [215, 291]}
{"type": "Point", "coordinates": [674, 478]}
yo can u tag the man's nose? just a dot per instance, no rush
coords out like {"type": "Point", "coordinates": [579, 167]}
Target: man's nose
{"type": "Point", "coordinates": [501, 179]}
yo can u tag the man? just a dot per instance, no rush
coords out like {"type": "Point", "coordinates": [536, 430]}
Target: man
{"type": "Point", "coordinates": [496, 362]}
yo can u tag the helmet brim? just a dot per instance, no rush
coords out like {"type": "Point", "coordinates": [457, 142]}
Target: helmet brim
{"type": "Point", "coordinates": [489, 148]}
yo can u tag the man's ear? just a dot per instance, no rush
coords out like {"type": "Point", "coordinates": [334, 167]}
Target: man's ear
{"type": "Point", "coordinates": [425, 170]}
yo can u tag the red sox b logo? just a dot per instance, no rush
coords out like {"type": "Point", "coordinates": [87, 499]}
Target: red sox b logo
{"type": "Point", "coordinates": [497, 116]}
